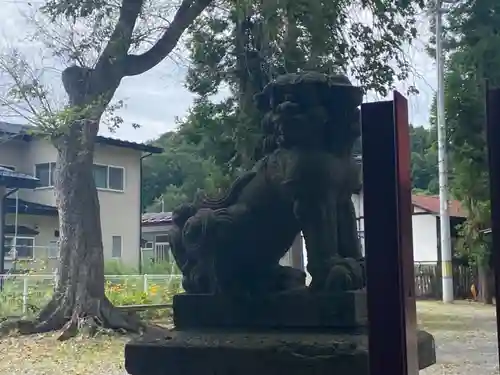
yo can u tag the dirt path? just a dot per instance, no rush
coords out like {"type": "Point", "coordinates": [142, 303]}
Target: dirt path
{"type": "Point", "coordinates": [466, 338]}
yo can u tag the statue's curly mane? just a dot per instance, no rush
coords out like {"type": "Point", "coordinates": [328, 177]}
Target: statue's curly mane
{"type": "Point", "coordinates": [229, 197]}
{"type": "Point", "coordinates": [299, 111]}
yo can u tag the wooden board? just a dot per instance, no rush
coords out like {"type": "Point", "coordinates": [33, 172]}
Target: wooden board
{"type": "Point", "coordinates": [388, 237]}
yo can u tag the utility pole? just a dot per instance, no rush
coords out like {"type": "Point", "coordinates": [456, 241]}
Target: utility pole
{"type": "Point", "coordinates": [444, 215]}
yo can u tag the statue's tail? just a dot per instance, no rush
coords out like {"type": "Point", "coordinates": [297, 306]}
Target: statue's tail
{"type": "Point", "coordinates": [179, 217]}
{"type": "Point", "coordinates": [230, 197]}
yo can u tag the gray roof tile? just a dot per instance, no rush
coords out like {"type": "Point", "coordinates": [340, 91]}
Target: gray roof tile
{"type": "Point", "coordinates": [18, 129]}
{"type": "Point", "coordinates": [156, 218]}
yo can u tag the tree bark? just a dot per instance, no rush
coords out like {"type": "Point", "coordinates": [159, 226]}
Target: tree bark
{"type": "Point", "coordinates": [486, 286]}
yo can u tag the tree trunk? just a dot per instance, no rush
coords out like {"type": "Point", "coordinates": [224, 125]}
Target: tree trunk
{"type": "Point", "coordinates": [486, 287]}
{"type": "Point", "coordinates": [79, 299]}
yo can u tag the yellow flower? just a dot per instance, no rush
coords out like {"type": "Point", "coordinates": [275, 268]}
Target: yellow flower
{"type": "Point", "coordinates": [153, 289]}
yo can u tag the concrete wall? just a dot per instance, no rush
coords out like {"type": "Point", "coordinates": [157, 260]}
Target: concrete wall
{"type": "Point", "coordinates": [14, 154]}
{"type": "Point", "coordinates": [120, 210]}
{"type": "Point", "coordinates": [425, 237]}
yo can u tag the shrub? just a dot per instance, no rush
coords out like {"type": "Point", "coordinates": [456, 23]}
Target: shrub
{"type": "Point", "coordinates": [161, 268]}
{"type": "Point", "coordinates": [122, 291]}
{"type": "Point", "coordinates": [120, 295]}
{"type": "Point", "coordinates": [117, 267]}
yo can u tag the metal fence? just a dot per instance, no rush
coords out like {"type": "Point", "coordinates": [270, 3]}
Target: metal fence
{"type": "Point", "coordinates": [25, 293]}
{"type": "Point", "coordinates": [22, 293]}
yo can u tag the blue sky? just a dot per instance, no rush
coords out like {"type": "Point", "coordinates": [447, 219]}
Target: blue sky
{"type": "Point", "coordinates": [156, 98]}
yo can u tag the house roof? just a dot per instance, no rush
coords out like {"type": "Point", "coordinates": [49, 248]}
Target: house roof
{"type": "Point", "coordinates": [29, 208]}
{"type": "Point", "coordinates": [22, 132]}
{"type": "Point", "coordinates": [425, 202]}
{"type": "Point", "coordinates": [12, 179]}
{"type": "Point", "coordinates": [156, 218]}
{"type": "Point", "coordinates": [430, 203]}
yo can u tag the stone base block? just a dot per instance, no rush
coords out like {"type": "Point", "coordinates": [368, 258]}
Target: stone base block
{"type": "Point", "coordinates": [298, 310]}
{"type": "Point", "coordinates": [264, 353]}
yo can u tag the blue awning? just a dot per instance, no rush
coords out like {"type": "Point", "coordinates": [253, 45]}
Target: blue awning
{"type": "Point", "coordinates": [12, 179]}
{"type": "Point", "coordinates": [29, 208]}
{"type": "Point", "coordinates": [21, 230]}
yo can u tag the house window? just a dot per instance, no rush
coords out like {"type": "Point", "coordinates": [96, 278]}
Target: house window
{"type": "Point", "coordinates": [148, 245]}
{"type": "Point", "coordinates": [23, 248]}
{"type": "Point", "coordinates": [116, 247]}
{"type": "Point", "coordinates": [115, 178]}
{"type": "Point", "coordinates": [101, 176]}
{"type": "Point", "coordinates": [107, 177]}
{"type": "Point", "coordinates": [163, 238]}
{"type": "Point", "coordinates": [45, 172]}
{"type": "Point", "coordinates": [53, 250]}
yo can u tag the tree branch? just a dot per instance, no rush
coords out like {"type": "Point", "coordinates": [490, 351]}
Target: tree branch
{"type": "Point", "coordinates": [187, 13]}
{"type": "Point", "coordinates": [119, 43]}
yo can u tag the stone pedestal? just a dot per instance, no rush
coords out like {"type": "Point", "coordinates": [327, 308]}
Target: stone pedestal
{"type": "Point", "coordinates": [295, 310]}
{"type": "Point", "coordinates": [257, 353]}
{"type": "Point", "coordinates": [292, 334]}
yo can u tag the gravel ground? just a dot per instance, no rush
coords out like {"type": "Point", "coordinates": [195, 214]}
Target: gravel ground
{"type": "Point", "coordinates": [466, 338]}
{"type": "Point", "coordinates": [465, 333]}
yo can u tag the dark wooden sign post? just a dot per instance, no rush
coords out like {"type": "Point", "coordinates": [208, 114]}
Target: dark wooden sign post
{"type": "Point", "coordinates": [388, 238]}
{"type": "Point", "coordinates": [493, 144]}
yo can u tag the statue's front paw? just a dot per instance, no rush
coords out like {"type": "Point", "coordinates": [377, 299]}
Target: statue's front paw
{"type": "Point", "coordinates": [345, 274]}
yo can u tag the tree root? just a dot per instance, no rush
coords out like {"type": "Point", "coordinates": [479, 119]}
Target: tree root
{"type": "Point", "coordinates": [87, 318]}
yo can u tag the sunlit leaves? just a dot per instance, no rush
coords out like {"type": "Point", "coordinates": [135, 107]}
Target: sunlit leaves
{"type": "Point", "coordinates": [74, 8]}
{"type": "Point", "coordinates": [182, 170]}
{"type": "Point", "coordinates": [27, 96]}
{"type": "Point", "coordinates": [363, 39]}
{"type": "Point", "coordinates": [424, 170]}
{"type": "Point", "coordinates": [76, 31]}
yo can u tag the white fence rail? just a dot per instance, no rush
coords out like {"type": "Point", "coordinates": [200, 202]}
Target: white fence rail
{"type": "Point", "coordinates": [21, 292]}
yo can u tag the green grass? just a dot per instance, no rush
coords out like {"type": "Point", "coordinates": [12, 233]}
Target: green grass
{"type": "Point", "coordinates": [460, 316]}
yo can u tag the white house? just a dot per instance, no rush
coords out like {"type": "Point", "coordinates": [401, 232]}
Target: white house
{"type": "Point", "coordinates": [155, 236]}
{"type": "Point", "coordinates": [31, 220]}
{"type": "Point", "coordinates": [425, 224]}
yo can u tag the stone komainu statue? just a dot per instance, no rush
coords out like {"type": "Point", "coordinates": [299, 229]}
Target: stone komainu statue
{"type": "Point", "coordinates": [233, 245]}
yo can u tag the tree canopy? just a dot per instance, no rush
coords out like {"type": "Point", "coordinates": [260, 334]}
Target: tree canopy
{"type": "Point", "coordinates": [424, 170]}
{"type": "Point", "coordinates": [236, 49]}
{"type": "Point", "coordinates": [199, 157]}
{"type": "Point", "coordinates": [473, 58]}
